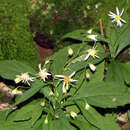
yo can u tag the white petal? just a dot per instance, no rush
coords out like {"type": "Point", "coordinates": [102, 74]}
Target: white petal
{"type": "Point", "coordinates": [72, 74]}
{"type": "Point", "coordinates": [117, 11]}
{"type": "Point", "coordinates": [113, 20]}
{"type": "Point", "coordinates": [121, 12]}
{"type": "Point", "coordinates": [63, 88]}
{"type": "Point", "coordinates": [72, 80]}
{"type": "Point", "coordinates": [59, 76]}
{"type": "Point", "coordinates": [119, 23]}
{"type": "Point", "coordinates": [87, 56]}
{"type": "Point", "coordinates": [67, 86]}
{"type": "Point", "coordinates": [123, 21]}
{"type": "Point", "coordinates": [112, 14]}
{"type": "Point", "coordinates": [97, 56]}
{"type": "Point", "coordinates": [39, 66]}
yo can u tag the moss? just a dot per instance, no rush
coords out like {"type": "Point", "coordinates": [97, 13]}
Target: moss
{"type": "Point", "coordinates": [16, 41]}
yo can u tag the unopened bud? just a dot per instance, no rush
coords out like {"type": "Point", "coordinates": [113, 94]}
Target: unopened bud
{"type": "Point", "coordinates": [90, 31]}
{"type": "Point", "coordinates": [87, 75]}
{"type": "Point", "coordinates": [43, 103]}
{"type": "Point", "coordinates": [92, 67]}
{"type": "Point", "coordinates": [70, 51]}
{"type": "Point", "coordinates": [17, 92]}
{"type": "Point", "coordinates": [46, 120]}
{"type": "Point", "coordinates": [51, 93]}
{"type": "Point", "coordinates": [73, 114]}
{"type": "Point", "coordinates": [87, 106]}
{"type": "Point", "coordinates": [46, 62]}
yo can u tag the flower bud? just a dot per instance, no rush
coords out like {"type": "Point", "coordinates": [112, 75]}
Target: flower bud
{"type": "Point", "coordinates": [43, 103]}
{"type": "Point", "coordinates": [46, 120]}
{"type": "Point", "coordinates": [87, 75]}
{"type": "Point", "coordinates": [17, 92]}
{"type": "Point", "coordinates": [73, 114]}
{"type": "Point", "coordinates": [90, 31]}
{"type": "Point", "coordinates": [51, 93]}
{"type": "Point", "coordinates": [70, 51]}
{"type": "Point", "coordinates": [46, 62]}
{"type": "Point", "coordinates": [92, 67]}
{"type": "Point", "coordinates": [87, 106]}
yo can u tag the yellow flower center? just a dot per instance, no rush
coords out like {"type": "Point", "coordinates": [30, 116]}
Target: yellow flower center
{"type": "Point", "coordinates": [67, 79]}
{"type": "Point", "coordinates": [93, 53]}
{"type": "Point", "coordinates": [117, 18]}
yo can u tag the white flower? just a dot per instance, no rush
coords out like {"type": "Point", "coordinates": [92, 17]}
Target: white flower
{"type": "Point", "coordinates": [73, 114]}
{"type": "Point", "coordinates": [93, 37]}
{"type": "Point", "coordinates": [92, 67]}
{"type": "Point", "coordinates": [92, 52]}
{"type": "Point", "coordinates": [87, 106]}
{"type": "Point", "coordinates": [24, 78]}
{"type": "Point", "coordinates": [67, 80]}
{"type": "Point", "coordinates": [43, 73]}
{"type": "Point", "coordinates": [117, 17]}
{"type": "Point", "coordinates": [17, 92]}
{"type": "Point", "coordinates": [70, 51]}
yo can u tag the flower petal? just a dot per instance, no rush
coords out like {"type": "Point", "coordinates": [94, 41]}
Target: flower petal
{"type": "Point", "coordinates": [59, 76]}
{"type": "Point", "coordinates": [72, 74]}
{"type": "Point", "coordinates": [121, 12]}
{"type": "Point", "coordinates": [117, 11]}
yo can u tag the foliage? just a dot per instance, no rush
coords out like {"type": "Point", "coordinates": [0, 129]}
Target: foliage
{"type": "Point", "coordinates": [56, 18]}
{"type": "Point", "coordinates": [15, 37]}
{"type": "Point", "coordinates": [66, 91]}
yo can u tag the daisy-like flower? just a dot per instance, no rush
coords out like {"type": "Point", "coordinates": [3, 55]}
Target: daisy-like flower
{"type": "Point", "coordinates": [43, 73]}
{"type": "Point", "coordinates": [117, 17]}
{"type": "Point", "coordinates": [24, 78]}
{"type": "Point", "coordinates": [92, 52]}
{"type": "Point", "coordinates": [66, 81]}
{"type": "Point", "coordinates": [92, 37]}
{"type": "Point", "coordinates": [73, 114]}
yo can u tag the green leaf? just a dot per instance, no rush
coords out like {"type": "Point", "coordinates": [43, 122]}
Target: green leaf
{"type": "Point", "coordinates": [57, 124]}
{"type": "Point", "coordinates": [61, 57]}
{"type": "Point", "coordinates": [114, 73]}
{"type": "Point", "coordinates": [77, 34]}
{"type": "Point", "coordinates": [82, 124]}
{"type": "Point", "coordinates": [82, 35]}
{"type": "Point", "coordinates": [31, 111]}
{"type": "Point", "coordinates": [104, 94]}
{"type": "Point", "coordinates": [126, 71]}
{"type": "Point", "coordinates": [94, 118]}
{"type": "Point", "coordinates": [36, 86]}
{"type": "Point", "coordinates": [79, 63]}
{"type": "Point", "coordinates": [10, 68]}
{"type": "Point", "coordinates": [9, 125]}
{"type": "Point", "coordinates": [123, 40]}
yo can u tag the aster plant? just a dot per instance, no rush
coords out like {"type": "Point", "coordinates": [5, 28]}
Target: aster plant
{"type": "Point", "coordinates": [65, 93]}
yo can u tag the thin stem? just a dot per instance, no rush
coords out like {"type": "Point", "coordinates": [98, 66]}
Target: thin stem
{"type": "Point", "coordinates": [102, 33]}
